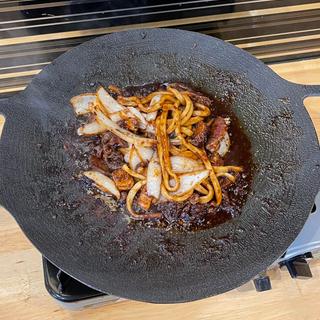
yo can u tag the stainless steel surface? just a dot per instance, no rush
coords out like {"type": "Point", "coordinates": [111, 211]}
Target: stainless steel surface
{"type": "Point", "coordinates": [308, 239]}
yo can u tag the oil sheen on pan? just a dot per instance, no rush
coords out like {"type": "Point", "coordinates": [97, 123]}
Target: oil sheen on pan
{"type": "Point", "coordinates": [168, 155]}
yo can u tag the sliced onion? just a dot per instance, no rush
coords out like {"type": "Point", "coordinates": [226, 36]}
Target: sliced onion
{"type": "Point", "coordinates": [189, 180]}
{"type": "Point", "coordinates": [155, 99]}
{"type": "Point", "coordinates": [91, 128]}
{"type": "Point", "coordinates": [175, 141]}
{"type": "Point", "coordinates": [145, 153]}
{"type": "Point", "coordinates": [111, 105]}
{"type": "Point", "coordinates": [115, 117]}
{"type": "Point", "coordinates": [154, 177]}
{"type": "Point", "coordinates": [131, 157]}
{"type": "Point", "coordinates": [150, 128]}
{"type": "Point", "coordinates": [224, 145]}
{"type": "Point", "coordinates": [152, 115]}
{"type": "Point", "coordinates": [138, 115]}
{"type": "Point", "coordinates": [134, 158]}
{"type": "Point", "coordinates": [103, 182]}
{"type": "Point", "coordinates": [123, 133]}
{"type": "Point", "coordinates": [183, 164]}
{"type": "Point", "coordinates": [175, 197]}
{"type": "Point", "coordinates": [83, 102]}
{"type": "Point", "coordinates": [135, 155]}
{"type": "Point", "coordinates": [113, 108]}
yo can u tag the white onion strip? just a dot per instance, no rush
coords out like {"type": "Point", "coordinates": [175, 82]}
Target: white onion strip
{"type": "Point", "coordinates": [188, 181]}
{"type": "Point", "coordinates": [183, 164]}
{"type": "Point", "coordinates": [132, 158]}
{"type": "Point", "coordinates": [135, 154]}
{"type": "Point", "coordinates": [154, 177]}
{"type": "Point", "coordinates": [91, 128]}
{"type": "Point", "coordinates": [137, 114]}
{"type": "Point", "coordinates": [152, 115]}
{"type": "Point", "coordinates": [123, 133]}
{"type": "Point", "coordinates": [114, 108]}
{"type": "Point", "coordinates": [145, 153]}
{"type": "Point", "coordinates": [111, 105]}
{"type": "Point", "coordinates": [103, 182]}
{"type": "Point", "coordinates": [83, 103]}
{"type": "Point", "coordinates": [169, 196]}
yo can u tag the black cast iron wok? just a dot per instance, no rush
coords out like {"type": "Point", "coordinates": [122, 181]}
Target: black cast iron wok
{"type": "Point", "coordinates": [96, 245]}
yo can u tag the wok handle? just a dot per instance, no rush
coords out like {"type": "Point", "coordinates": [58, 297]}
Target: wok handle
{"type": "Point", "coordinates": [308, 90]}
{"type": "Point", "coordinates": [3, 112]}
{"type": "Point", "coordinates": [4, 109]}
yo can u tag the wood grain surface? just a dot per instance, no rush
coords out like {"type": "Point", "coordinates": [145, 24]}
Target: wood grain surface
{"type": "Point", "coordinates": [23, 296]}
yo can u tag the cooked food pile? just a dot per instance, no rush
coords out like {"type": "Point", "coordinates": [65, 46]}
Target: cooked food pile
{"type": "Point", "coordinates": [171, 147]}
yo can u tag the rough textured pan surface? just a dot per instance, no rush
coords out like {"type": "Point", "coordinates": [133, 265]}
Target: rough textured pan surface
{"type": "Point", "coordinates": [92, 241]}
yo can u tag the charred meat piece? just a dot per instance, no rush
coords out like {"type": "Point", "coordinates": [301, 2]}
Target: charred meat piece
{"type": "Point", "coordinates": [98, 150]}
{"type": "Point", "coordinates": [98, 164]}
{"type": "Point", "coordinates": [114, 159]}
{"type": "Point", "coordinates": [122, 179]}
{"type": "Point", "coordinates": [199, 98]}
{"type": "Point", "coordinates": [218, 140]}
{"type": "Point", "coordinates": [200, 134]}
{"type": "Point", "coordinates": [110, 150]}
{"type": "Point", "coordinates": [144, 201]}
{"type": "Point", "coordinates": [111, 139]}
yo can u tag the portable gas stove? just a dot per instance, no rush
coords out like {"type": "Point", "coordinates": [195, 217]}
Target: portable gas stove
{"type": "Point", "coordinates": [74, 295]}
{"type": "Point", "coordinates": [20, 60]}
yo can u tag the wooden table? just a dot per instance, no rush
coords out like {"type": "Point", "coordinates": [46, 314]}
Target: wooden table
{"type": "Point", "coordinates": [23, 296]}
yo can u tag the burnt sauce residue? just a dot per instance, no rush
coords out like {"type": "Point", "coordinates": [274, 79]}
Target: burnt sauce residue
{"type": "Point", "coordinates": [188, 215]}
